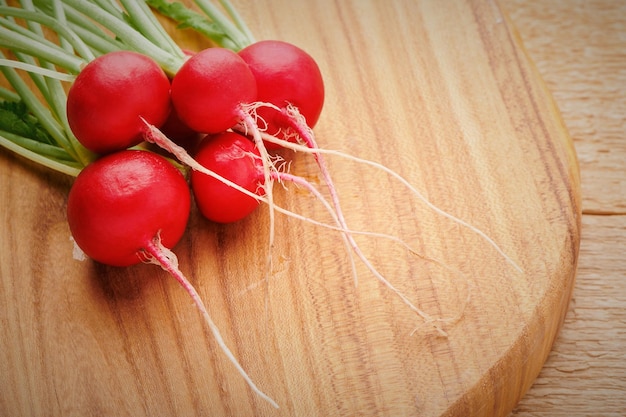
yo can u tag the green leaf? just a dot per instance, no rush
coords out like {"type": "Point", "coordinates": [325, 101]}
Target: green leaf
{"type": "Point", "coordinates": [187, 18]}
{"type": "Point", "coordinates": [15, 118]}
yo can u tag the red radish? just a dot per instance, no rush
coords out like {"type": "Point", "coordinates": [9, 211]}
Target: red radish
{"type": "Point", "coordinates": [286, 76]}
{"type": "Point", "coordinates": [211, 93]}
{"type": "Point", "coordinates": [234, 157]}
{"type": "Point", "coordinates": [175, 129]}
{"type": "Point", "coordinates": [110, 94]}
{"type": "Point", "coordinates": [121, 202]}
{"type": "Point", "coordinates": [130, 207]}
{"type": "Point", "coordinates": [208, 91]}
{"type": "Point", "coordinates": [290, 79]}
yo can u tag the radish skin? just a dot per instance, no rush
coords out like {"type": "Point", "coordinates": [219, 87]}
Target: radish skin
{"type": "Point", "coordinates": [209, 88]}
{"type": "Point", "coordinates": [232, 156]}
{"type": "Point", "coordinates": [286, 76]}
{"type": "Point", "coordinates": [121, 201]}
{"type": "Point", "coordinates": [108, 97]}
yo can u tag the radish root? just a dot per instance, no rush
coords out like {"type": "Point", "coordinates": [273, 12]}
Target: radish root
{"type": "Point", "coordinates": [268, 180]}
{"type": "Point", "coordinates": [154, 135]}
{"type": "Point", "coordinates": [156, 253]}
{"type": "Point", "coordinates": [317, 152]}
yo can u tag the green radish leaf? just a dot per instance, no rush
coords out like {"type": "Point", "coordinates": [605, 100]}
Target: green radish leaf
{"type": "Point", "coordinates": [15, 118]}
{"type": "Point", "coordinates": [189, 19]}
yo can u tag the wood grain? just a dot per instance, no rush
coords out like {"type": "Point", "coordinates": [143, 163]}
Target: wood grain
{"type": "Point", "coordinates": [578, 47]}
{"type": "Point", "coordinates": [441, 92]}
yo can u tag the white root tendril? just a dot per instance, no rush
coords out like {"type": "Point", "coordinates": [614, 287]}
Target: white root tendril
{"type": "Point", "coordinates": [35, 69]}
{"type": "Point", "coordinates": [170, 256]}
{"type": "Point", "coordinates": [319, 151]}
{"type": "Point", "coordinates": [271, 173]}
{"type": "Point", "coordinates": [249, 123]}
{"type": "Point", "coordinates": [156, 253]}
{"type": "Point", "coordinates": [305, 135]}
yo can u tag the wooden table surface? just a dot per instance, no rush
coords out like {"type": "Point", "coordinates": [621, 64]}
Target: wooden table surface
{"type": "Point", "coordinates": [579, 47]}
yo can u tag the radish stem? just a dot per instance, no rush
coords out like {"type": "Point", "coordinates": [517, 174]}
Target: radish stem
{"type": "Point", "coordinates": [50, 124]}
{"type": "Point", "coordinates": [240, 39]}
{"type": "Point", "coordinates": [239, 22]}
{"type": "Point", "coordinates": [37, 69]}
{"type": "Point", "coordinates": [62, 31]}
{"type": "Point", "coordinates": [55, 54]}
{"type": "Point", "coordinates": [135, 39]}
{"type": "Point", "coordinates": [142, 17]}
{"type": "Point", "coordinates": [36, 156]}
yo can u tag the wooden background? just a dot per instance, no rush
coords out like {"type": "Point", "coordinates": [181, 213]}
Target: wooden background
{"type": "Point", "coordinates": [579, 47]}
{"type": "Point", "coordinates": [69, 337]}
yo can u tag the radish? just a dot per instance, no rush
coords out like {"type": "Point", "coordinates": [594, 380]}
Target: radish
{"type": "Point", "coordinates": [132, 206]}
{"type": "Point", "coordinates": [120, 203]}
{"type": "Point", "coordinates": [110, 94]}
{"type": "Point", "coordinates": [290, 90]}
{"type": "Point", "coordinates": [210, 88]}
{"type": "Point", "coordinates": [234, 157]}
{"type": "Point", "coordinates": [175, 129]}
{"type": "Point", "coordinates": [286, 76]}
{"type": "Point", "coordinates": [212, 92]}
{"type": "Point", "coordinates": [290, 82]}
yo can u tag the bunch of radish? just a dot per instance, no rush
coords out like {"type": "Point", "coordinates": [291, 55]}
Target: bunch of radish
{"type": "Point", "coordinates": [220, 112]}
{"type": "Point", "coordinates": [132, 206]}
{"type": "Point", "coordinates": [129, 204]}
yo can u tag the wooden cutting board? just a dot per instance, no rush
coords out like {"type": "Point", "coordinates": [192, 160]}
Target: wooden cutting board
{"type": "Point", "coordinates": [443, 93]}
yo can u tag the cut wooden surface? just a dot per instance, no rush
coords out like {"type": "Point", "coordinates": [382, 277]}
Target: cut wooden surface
{"type": "Point", "coordinates": [579, 49]}
{"type": "Point", "coordinates": [442, 93]}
